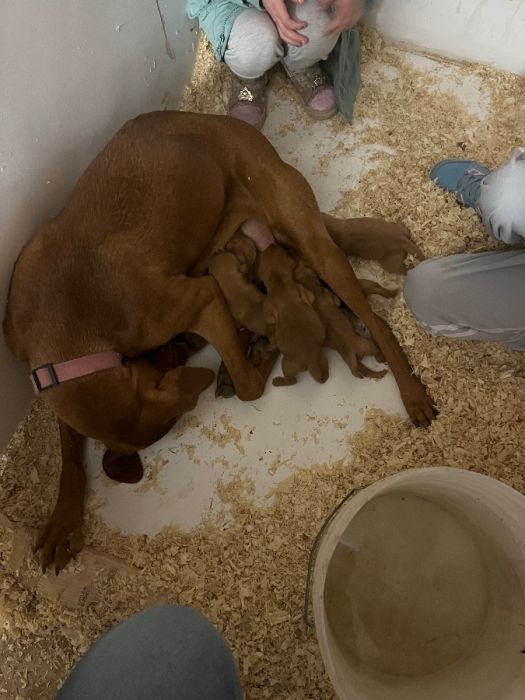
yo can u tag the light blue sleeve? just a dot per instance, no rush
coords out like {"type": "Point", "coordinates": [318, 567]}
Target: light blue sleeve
{"type": "Point", "coordinates": [195, 7]}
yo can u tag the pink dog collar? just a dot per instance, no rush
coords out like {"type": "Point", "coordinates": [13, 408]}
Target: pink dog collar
{"type": "Point", "coordinates": [49, 375]}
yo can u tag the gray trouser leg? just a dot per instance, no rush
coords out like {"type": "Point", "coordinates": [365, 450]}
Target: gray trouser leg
{"type": "Point", "coordinates": [319, 44]}
{"type": "Point", "coordinates": [502, 200]}
{"type": "Point", "coordinates": [254, 45]}
{"type": "Point", "coordinates": [471, 296]}
{"type": "Point", "coordinates": [166, 653]}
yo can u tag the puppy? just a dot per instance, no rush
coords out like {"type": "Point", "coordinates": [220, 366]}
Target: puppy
{"type": "Point", "coordinates": [244, 300]}
{"type": "Point", "coordinates": [340, 333]}
{"type": "Point", "coordinates": [292, 324]}
{"type": "Point", "coordinates": [244, 250]}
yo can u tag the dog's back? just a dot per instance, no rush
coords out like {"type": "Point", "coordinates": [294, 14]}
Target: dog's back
{"type": "Point", "coordinates": [92, 270]}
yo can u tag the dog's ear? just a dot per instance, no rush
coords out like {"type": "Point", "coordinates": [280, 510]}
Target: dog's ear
{"type": "Point", "coordinates": [124, 468]}
{"type": "Point", "coordinates": [306, 294]}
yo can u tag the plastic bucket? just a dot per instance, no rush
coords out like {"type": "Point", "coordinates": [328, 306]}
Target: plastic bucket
{"type": "Point", "coordinates": [418, 589]}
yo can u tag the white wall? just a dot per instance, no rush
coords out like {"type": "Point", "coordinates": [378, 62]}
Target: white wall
{"type": "Point", "coordinates": [71, 72]}
{"type": "Point", "coordinates": [488, 31]}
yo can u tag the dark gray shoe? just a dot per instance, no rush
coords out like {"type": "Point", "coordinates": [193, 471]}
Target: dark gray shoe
{"type": "Point", "coordinates": [315, 90]}
{"type": "Point", "coordinates": [248, 100]}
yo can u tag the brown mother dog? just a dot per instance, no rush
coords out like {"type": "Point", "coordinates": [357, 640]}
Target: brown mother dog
{"type": "Point", "coordinates": [121, 270]}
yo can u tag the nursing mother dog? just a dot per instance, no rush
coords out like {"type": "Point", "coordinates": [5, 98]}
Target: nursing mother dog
{"type": "Point", "coordinates": [122, 270]}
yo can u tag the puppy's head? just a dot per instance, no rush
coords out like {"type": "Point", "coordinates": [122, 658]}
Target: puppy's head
{"type": "Point", "coordinates": [244, 250]}
{"type": "Point", "coordinates": [223, 265]}
{"type": "Point", "coordinates": [275, 262]}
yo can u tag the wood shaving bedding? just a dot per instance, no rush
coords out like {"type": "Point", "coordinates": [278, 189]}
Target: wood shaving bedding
{"type": "Point", "coordinates": [229, 570]}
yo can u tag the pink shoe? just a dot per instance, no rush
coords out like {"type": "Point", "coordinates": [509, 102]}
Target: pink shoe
{"type": "Point", "coordinates": [248, 100]}
{"type": "Point", "coordinates": [315, 90]}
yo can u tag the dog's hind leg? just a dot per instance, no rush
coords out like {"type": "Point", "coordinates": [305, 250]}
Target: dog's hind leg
{"type": "Point", "coordinates": [331, 264]}
{"type": "Point", "coordinates": [296, 213]}
{"type": "Point", "coordinates": [373, 239]}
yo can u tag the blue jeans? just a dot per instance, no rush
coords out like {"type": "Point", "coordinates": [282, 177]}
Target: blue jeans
{"type": "Point", "coordinates": [171, 652]}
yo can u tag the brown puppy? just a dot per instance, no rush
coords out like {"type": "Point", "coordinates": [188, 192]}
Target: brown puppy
{"type": "Point", "coordinates": [121, 270]}
{"type": "Point", "coordinates": [232, 271]}
{"type": "Point", "coordinates": [340, 333]}
{"type": "Point", "coordinates": [244, 250]}
{"type": "Point", "coordinates": [244, 300]}
{"type": "Point", "coordinates": [292, 324]}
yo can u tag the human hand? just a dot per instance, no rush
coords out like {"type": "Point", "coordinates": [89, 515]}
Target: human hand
{"type": "Point", "coordinates": [286, 26]}
{"type": "Point", "coordinates": [345, 14]}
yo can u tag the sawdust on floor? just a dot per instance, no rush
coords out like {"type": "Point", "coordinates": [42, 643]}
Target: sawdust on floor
{"type": "Point", "coordinates": [247, 572]}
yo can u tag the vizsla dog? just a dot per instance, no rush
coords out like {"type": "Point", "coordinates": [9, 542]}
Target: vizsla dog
{"type": "Point", "coordinates": [292, 324]}
{"type": "Point", "coordinates": [119, 272]}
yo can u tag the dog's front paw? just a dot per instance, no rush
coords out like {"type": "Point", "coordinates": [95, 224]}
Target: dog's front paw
{"type": "Point", "coordinates": [418, 404]}
{"type": "Point", "coordinates": [61, 539]}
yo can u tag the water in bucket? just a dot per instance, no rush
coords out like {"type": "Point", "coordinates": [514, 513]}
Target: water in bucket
{"type": "Point", "coordinates": [406, 592]}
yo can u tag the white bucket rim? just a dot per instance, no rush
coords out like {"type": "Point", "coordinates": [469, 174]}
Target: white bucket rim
{"type": "Point", "coordinates": [337, 522]}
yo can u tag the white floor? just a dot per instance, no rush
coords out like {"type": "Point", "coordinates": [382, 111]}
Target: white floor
{"type": "Point", "coordinates": [301, 426]}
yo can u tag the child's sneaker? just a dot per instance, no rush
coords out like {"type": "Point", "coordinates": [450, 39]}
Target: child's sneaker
{"type": "Point", "coordinates": [315, 90]}
{"type": "Point", "coordinates": [461, 177]}
{"type": "Point", "coordinates": [248, 100]}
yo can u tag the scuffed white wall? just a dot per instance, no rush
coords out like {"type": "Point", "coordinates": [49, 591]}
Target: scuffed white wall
{"type": "Point", "coordinates": [71, 72]}
{"type": "Point", "coordinates": [487, 31]}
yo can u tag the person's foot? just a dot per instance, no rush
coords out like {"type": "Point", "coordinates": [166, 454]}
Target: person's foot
{"type": "Point", "coordinates": [248, 100]}
{"type": "Point", "coordinates": [315, 90]}
{"type": "Point", "coordinates": [461, 177]}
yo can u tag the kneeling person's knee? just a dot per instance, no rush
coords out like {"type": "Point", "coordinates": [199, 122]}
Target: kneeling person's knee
{"type": "Point", "coordinates": [254, 45]}
{"type": "Point", "coordinates": [425, 293]}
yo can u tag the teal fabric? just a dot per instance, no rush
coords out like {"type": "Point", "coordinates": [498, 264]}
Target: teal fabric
{"type": "Point", "coordinates": [216, 18]}
{"type": "Point", "coordinates": [343, 66]}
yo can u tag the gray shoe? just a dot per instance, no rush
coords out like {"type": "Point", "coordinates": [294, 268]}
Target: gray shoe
{"type": "Point", "coordinates": [248, 100]}
{"type": "Point", "coordinates": [315, 90]}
